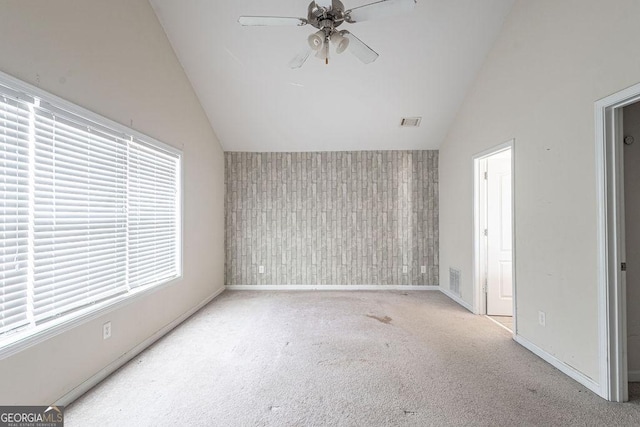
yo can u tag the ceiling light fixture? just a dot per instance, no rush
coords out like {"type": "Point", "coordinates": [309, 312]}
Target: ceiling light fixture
{"type": "Point", "coordinates": [326, 16]}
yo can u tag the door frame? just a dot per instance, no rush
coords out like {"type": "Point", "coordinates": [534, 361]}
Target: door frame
{"type": "Point", "coordinates": [612, 298]}
{"type": "Point", "coordinates": [479, 297]}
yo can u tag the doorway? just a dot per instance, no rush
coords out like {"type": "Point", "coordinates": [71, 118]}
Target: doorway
{"type": "Point", "coordinates": [493, 235]}
{"type": "Point", "coordinates": [631, 201]}
{"type": "Point", "coordinates": [618, 116]}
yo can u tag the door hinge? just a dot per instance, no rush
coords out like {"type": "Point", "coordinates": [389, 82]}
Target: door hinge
{"type": "Point", "coordinates": [486, 175]}
{"type": "Point", "coordinates": [486, 232]}
{"type": "Point", "coordinates": [623, 266]}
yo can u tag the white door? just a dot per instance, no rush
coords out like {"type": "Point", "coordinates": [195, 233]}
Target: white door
{"type": "Point", "coordinates": [499, 251]}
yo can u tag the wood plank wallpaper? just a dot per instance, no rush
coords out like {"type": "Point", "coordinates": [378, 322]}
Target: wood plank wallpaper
{"type": "Point", "coordinates": [331, 218]}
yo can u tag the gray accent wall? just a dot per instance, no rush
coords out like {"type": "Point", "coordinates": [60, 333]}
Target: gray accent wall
{"type": "Point", "coordinates": [331, 218]}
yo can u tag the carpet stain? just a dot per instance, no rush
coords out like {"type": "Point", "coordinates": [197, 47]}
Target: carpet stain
{"type": "Point", "coordinates": [410, 412]}
{"type": "Point", "coordinates": [533, 390]}
{"type": "Point", "coordinates": [386, 319]}
{"type": "Point", "coordinates": [274, 408]}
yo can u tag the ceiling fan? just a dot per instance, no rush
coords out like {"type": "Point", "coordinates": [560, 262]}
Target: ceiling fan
{"type": "Point", "coordinates": [327, 16]}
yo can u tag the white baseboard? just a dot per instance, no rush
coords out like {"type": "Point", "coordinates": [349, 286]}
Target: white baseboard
{"type": "Point", "coordinates": [457, 299]}
{"type": "Point", "coordinates": [560, 365]}
{"type": "Point", "coordinates": [113, 366]}
{"type": "Point", "coordinates": [633, 376]}
{"type": "Point", "coordinates": [350, 288]}
{"type": "Point", "coordinates": [332, 288]}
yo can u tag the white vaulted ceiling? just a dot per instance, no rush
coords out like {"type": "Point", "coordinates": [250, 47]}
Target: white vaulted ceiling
{"type": "Point", "coordinates": [255, 102]}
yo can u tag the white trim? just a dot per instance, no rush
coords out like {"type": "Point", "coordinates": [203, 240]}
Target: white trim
{"type": "Point", "coordinates": [611, 287]}
{"type": "Point", "coordinates": [351, 288]}
{"type": "Point", "coordinates": [332, 288]}
{"type": "Point", "coordinates": [457, 299]}
{"type": "Point", "coordinates": [495, 149]}
{"type": "Point", "coordinates": [113, 366]}
{"type": "Point", "coordinates": [633, 376]}
{"type": "Point", "coordinates": [513, 237]}
{"type": "Point", "coordinates": [479, 304]}
{"type": "Point", "coordinates": [557, 363]}
{"type": "Point", "coordinates": [603, 256]}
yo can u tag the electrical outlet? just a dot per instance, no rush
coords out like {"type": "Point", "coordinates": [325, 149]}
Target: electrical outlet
{"type": "Point", "coordinates": [405, 269]}
{"type": "Point", "coordinates": [542, 318]}
{"type": "Point", "coordinates": [423, 269]}
{"type": "Point", "coordinates": [261, 269]}
{"type": "Point", "coordinates": [106, 331]}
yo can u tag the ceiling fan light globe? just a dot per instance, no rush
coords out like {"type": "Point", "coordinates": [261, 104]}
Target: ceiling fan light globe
{"type": "Point", "coordinates": [316, 40]}
{"type": "Point", "coordinates": [342, 46]}
{"type": "Point", "coordinates": [341, 43]}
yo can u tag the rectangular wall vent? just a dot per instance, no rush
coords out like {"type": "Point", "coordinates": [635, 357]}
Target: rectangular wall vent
{"type": "Point", "coordinates": [454, 280]}
{"type": "Point", "coordinates": [410, 121]}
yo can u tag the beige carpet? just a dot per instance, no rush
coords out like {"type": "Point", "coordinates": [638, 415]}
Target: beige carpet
{"type": "Point", "coordinates": [341, 358]}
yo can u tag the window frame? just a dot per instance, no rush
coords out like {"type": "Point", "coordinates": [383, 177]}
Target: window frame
{"type": "Point", "coordinates": [20, 340]}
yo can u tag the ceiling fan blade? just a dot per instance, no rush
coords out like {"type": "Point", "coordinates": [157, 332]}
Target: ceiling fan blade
{"type": "Point", "coordinates": [299, 60]}
{"type": "Point", "coordinates": [363, 52]}
{"type": "Point", "coordinates": [271, 21]}
{"type": "Point", "coordinates": [378, 9]}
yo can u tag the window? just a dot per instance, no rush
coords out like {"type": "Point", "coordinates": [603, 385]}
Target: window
{"type": "Point", "coordinates": [90, 211]}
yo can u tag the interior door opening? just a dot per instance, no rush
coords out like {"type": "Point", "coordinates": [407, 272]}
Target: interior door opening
{"type": "Point", "coordinates": [617, 133]}
{"type": "Point", "coordinates": [494, 235]}
{"type": "Point", "coordinates": [629, 141]}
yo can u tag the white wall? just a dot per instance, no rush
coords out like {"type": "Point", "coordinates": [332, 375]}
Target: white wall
{"type": "Point", "coordinates": [113, 58]}
{"type": "Point", "coordinates": [632, 234]}
{"type": "Point", "coordinates": [539, 83]}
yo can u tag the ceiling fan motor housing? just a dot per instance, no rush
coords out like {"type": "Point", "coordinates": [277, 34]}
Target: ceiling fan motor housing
{"type": "Point", "coordinates": [322, 18]}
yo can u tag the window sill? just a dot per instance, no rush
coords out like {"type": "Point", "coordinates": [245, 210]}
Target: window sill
{"type": "Point", "coordinates": [22, 340]}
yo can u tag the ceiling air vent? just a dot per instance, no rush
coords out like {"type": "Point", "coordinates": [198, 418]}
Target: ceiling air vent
{"type": "Point", "coordinates": [410, 122]}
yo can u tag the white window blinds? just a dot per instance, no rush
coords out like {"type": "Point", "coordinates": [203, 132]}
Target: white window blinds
{"type": "Point", "coordinates": [79, 215]}
{"type": "Point", "coordinates": [153, 246]}
{"type": "Point", "coordinates": [14, 212]}
{"type": "Point", "coordinates": [88, 212]}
